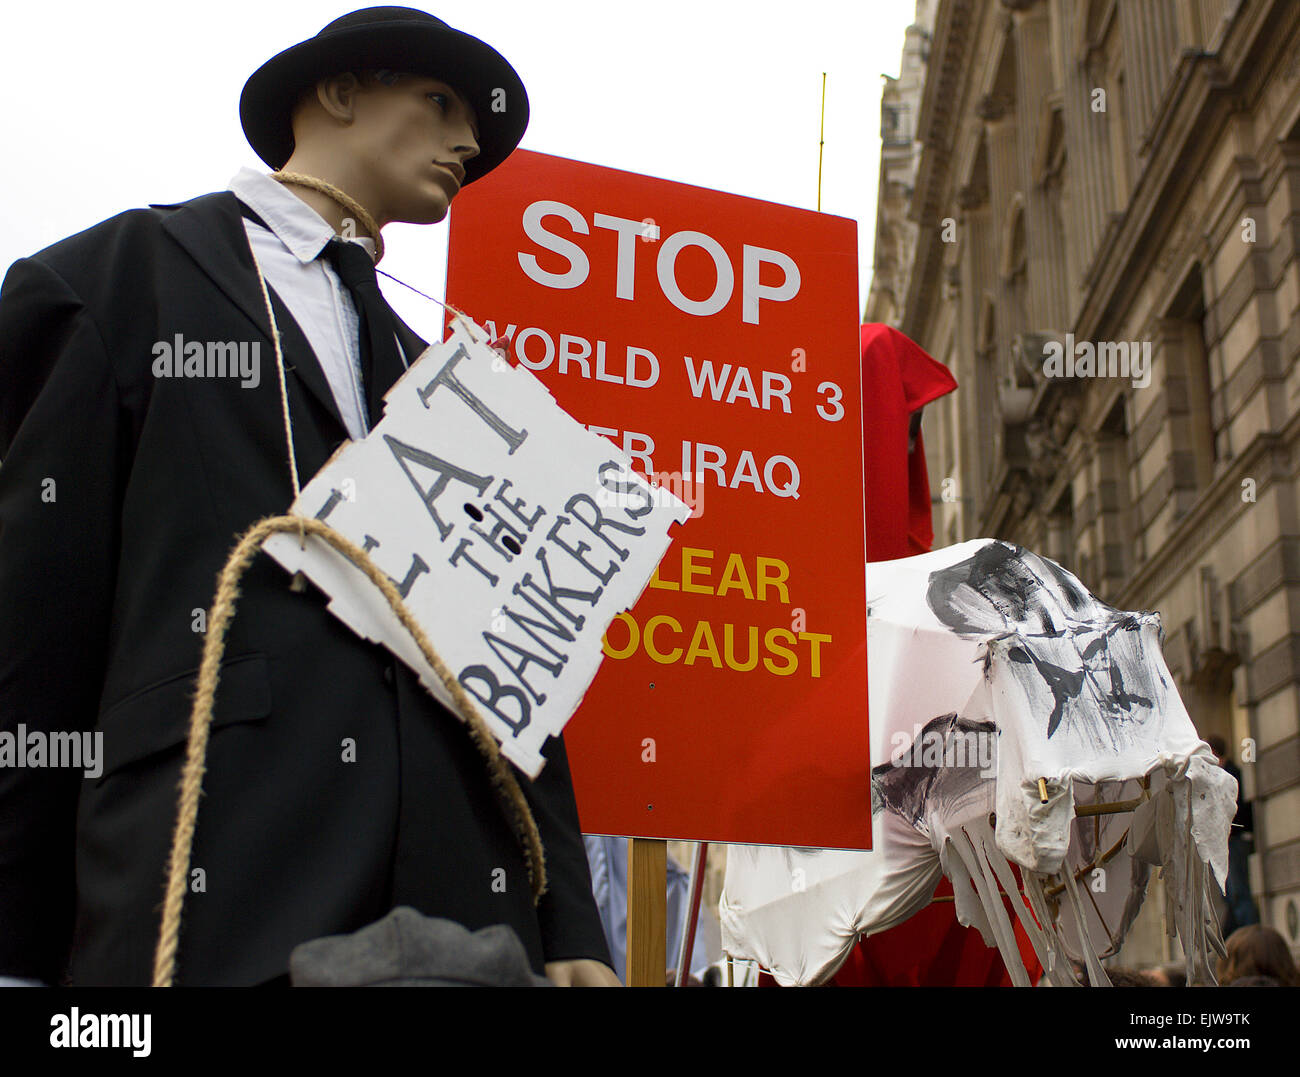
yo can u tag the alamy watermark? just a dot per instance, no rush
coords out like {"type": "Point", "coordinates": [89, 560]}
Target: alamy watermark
{"type": "Point", "coordinates": [1104, 359]}
{"type": "Point", "coordinates": [36, 748]}
{"type": "Point", "coordinates": [685, 488]}
{"type": "Point", "coordinates": [952, 748]}
{"type": "Point", "coordinates": [234, 359]}
{"type": "Point", "coordinates": [121, 1030]}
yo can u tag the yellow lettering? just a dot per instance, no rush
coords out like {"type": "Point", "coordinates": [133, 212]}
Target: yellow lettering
{"type": "Point", "coordinates": [664, 585]}
{"type": "Point", "coordinates": [651, 649]}
{"type": "Point", "coordinates": [781, 658]}
{"type": "Point", "coordinates": [816, 639]}
{"type": "Point", "coordinates": [777, 580]}
{"type": "Point", "coordinates": [634, 637]}
{"type": "Point", "coordinates": [690, 570]}
{"type": "Point", "coordinates": [775, 648]}
{"type": "Point", "coordinates": [735, 578]}
{"type": "Point", "coordinates": [728, 647]}
{"type": "Point", "coordinates": [703, 632]}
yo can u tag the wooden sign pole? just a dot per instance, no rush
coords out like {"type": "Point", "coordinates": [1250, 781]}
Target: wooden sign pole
{"type": "Point", "coordinates": [647, 912]}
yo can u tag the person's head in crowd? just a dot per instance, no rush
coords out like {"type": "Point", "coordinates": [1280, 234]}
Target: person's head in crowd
{"type": "Point", "coordinates": [1257, 950]}
{"type": "Point", "coordinates": [1218, 746]}
{"type": "Point", "coordinates": [1122, 977]}
{"type": "Point", "coordinates": [1172, 974]}
{"type": "Point", "coordinates": [1118, 975]}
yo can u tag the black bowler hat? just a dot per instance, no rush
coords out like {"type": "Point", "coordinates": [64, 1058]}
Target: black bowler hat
{"type": "Point", "coordinates": [396, 39]}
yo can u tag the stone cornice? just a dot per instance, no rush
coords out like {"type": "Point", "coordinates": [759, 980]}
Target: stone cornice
{"type": "Point", "coordinates": [943, 68]}
{"type": "Point", "coordinates": [936, 131]}
{"type": "Point", "coordinates": [1181, 80]}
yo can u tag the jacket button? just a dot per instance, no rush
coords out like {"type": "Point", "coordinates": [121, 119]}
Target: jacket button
{"type": "Point", "coordinates": [389, 679]}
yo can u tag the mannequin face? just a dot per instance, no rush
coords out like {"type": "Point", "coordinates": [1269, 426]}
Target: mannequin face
{"type": "Point", "coordinates": [415, 138]}
{"type": "Point", "coordinates": [399, 149]}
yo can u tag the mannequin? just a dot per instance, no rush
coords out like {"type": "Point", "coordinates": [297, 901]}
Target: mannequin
{"type": "Point", "coordinates": [336, 787]}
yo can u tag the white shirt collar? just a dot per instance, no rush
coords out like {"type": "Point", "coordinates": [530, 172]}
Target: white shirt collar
{"type": "Point", "coordinates": [299, 227]}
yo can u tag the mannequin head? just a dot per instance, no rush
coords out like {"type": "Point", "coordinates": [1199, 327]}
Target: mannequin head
{"type": "Point", "coordinates": [396, 143]}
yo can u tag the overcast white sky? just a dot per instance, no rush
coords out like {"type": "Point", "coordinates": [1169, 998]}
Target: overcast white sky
{"type": "Point", "coordinates": [115, 105]}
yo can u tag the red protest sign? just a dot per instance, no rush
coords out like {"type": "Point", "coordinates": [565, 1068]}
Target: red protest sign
{"type": "Point", "coordinates": [715, 339]}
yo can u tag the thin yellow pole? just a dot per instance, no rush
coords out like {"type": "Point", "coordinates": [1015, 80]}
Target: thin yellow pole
{"type": "Point", "coordinates": [821, 143]}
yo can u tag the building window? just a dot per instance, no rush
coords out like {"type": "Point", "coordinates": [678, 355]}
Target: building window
{"type": "Point", "coordinates": [896, 125]}
{"type": "Point", "coordinates": [1191, 385]}
{"type": "Point", "coordinates": [1060, 531]}
{"type": "Point", "coordinates": [1114, 495]}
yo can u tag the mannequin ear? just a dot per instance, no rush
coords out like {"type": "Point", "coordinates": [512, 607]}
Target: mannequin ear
{"type": "Point", "coordinates": [337, 95]}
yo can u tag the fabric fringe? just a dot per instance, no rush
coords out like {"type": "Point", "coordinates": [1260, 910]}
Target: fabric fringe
{"type": "Point", "coordinates": [981, 875]}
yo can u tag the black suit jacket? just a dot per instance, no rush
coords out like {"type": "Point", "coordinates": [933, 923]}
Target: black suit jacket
{"type": "Point", "coordinates": [121, 495]}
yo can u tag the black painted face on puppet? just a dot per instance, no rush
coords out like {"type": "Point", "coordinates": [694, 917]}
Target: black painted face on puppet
{"type": "Point", "coordinates": [1082, 658]}
{"type": "Point", "coordinates": [1004, 588]}
{"type": "Point", "coordinates": [414, 134]}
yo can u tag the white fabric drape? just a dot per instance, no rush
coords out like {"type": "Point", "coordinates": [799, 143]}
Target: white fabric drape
{"type": "Point", "coordinates": [990, 668]}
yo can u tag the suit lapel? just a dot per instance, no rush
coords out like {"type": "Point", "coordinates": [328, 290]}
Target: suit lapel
{"type": "Point", "coordinates": [413, 345]}
{"type": "Point", "coordinates": [211, 231]}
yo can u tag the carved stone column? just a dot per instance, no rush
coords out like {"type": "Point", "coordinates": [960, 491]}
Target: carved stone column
{"type": "Point", "coordinates": [1048, 295]}
{"type": "Point", "coordinates": [977, 405]}
{"type": "Point", "coordinates": [1004, 183]}
{"type": "Point", "coordinates": [1088, 149]}
{"type": "Point", "coordinates": [1150, 34]}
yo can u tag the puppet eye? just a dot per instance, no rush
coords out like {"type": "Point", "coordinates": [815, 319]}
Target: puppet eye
{"type": "Point", "coordinates": [441, 98]}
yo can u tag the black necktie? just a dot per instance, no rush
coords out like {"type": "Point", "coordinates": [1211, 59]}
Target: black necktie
{"type": "Point", "coordinates": [381, 360]}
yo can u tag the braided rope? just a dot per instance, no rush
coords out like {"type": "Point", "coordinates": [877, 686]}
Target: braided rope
{"type": "Point", "coordinates": [301, 179]}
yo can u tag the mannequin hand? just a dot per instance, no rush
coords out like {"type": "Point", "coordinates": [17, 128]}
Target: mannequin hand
{"type": "Point", "coordinates": [581, 973]}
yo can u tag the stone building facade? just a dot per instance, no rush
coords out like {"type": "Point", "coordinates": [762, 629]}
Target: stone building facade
{"type": "Point", "coordinates": [1123, 175]}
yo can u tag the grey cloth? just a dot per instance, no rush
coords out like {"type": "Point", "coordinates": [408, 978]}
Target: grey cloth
{"type": "Point", "coordinates": [408, 949]}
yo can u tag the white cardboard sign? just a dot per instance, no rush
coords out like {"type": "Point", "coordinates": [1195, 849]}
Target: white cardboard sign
{"type": "Point", "coordinates": [514, 534]}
